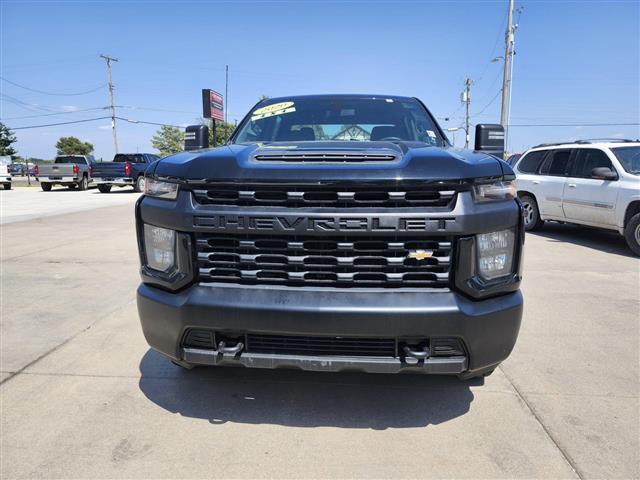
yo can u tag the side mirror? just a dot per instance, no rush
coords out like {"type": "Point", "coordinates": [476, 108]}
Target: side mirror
{"type": "Point", "coordinates": [603, 173]}
{"type": "Point", "coordinates": [196, 137]}
{"type": "Point", "coordinates": [490, 139]}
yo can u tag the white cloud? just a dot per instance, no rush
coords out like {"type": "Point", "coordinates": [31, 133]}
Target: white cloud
{"type": "Point", "coordinates": [105, 127]}
{"type": "Point", "coordinates": [69, 108]}
{"type": "Point", "coordinates": [618, 135]}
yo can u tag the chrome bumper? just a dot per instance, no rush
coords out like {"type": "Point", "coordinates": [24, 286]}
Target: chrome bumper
{"type": "Point", "coordinates": [114, 181]}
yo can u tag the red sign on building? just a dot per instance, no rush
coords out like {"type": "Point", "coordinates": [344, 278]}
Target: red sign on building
{"type": "Point", "coordinates": [212, 104]}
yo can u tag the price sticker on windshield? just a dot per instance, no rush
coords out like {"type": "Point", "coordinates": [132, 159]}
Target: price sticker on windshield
{"type": "Point", "coordinates": [272, 110]}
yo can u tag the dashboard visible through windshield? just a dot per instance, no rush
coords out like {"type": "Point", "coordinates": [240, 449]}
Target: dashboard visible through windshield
{"type": "Point", "coordinates": [339, 119]}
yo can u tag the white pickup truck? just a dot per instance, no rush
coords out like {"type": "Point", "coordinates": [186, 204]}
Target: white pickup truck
{"type": "Point", "coordinates": [73, 171]}
{"type": "Point", "coordinates": [5, 173]}
{"type": "Point", "coordinates": [588, 182]}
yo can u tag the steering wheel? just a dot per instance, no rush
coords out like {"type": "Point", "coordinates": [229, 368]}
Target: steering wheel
{"type": "Point", "coordinates": [389, 139]}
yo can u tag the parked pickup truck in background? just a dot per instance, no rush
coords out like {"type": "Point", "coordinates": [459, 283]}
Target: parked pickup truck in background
{"type": "Point", "coordinates": [5, 173]}
{"type": "Point", "coordinates": [69, 170]}
{"type": "Point", "coordinates": [126, 169]}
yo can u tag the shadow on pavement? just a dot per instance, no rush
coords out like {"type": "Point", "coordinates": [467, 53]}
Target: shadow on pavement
{"type": "Point", "coordinates": [604, 240]}
{"type": "Point", "coordinates": [116, 191]}
{"type": "Point", "coordinates": [304, 399]}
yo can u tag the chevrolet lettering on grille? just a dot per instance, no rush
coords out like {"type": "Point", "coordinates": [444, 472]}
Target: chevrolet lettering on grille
{"type": "Point", "coordinates": [286, 223]}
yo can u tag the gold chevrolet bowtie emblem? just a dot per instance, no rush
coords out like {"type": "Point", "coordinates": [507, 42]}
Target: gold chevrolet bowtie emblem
{"type": "Point", "coordinates": [420, 254]}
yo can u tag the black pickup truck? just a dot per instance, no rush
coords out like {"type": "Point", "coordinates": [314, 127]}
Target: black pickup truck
{"type": "Point", "coordinates": [126, 169]}
{"type": "Point", "coordinates": [333, 232]}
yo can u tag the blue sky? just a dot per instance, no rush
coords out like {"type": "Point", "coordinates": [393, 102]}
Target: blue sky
{"type": "Point", "coordinates": [576, 62]}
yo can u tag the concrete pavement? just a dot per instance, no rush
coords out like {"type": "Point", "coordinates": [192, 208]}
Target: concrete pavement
{"type": "Point", "coordinates": [28, 203]}
{"type": "Point", "coordinates": [83, 396]}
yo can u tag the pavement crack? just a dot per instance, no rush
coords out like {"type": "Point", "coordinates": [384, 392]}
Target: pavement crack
{"type": "Point", "coordinates": [560, 448]}
{"type": "Point", "coordinates": [64, 342]}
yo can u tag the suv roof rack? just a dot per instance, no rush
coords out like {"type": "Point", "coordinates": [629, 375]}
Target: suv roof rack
{"type": "Point", "coordinates": [587, 141]}
{"type": "Point", "coordinates": [553, 144]}
{"type": "Point", "coordinates": [605, 139]}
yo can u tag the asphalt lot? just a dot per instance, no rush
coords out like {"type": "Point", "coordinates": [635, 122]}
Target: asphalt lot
{"type": "Point", "coordinates": [83, 396]}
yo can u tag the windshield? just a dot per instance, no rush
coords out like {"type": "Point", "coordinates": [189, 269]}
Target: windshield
{"type": "Point", "coordinates": [69, 159]}
{"type": "Point", "coordinates": [339, 119]}
{"type": "Point", "coordinates": [629, 157]}
{"type": "Point", "coordinates": [123, 157]}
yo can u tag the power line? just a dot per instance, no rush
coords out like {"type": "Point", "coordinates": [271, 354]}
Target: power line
{"type": "Point", "coordinates": [55, 113]}
{"type": "Point", "coordinates": [60, 123]}
{"type": "Point", "coordinates": [148, 123]}
{"type": "Point", "coordinates": [130, 120]}
{"type": "Point", "coordinates": [152, 109]}
{"type": "Point", "coordinates": [578, 125]}
{"type": "Point", "coordinates": [488, 104]}
{"type": "Point", "coordinates": [52, 93]}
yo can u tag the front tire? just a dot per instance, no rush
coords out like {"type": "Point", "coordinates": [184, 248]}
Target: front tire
{"type": "Point", "coordinates": [632, 234]}
{"type": "Point", "coordinates": [7, 186]}
{"type": "Point", "coordinates": [83, 184]}
{"type": "Point", "coordinates": [46, 187]}
{"type": "Point", "coordinates": [139, 186]}
{"type": "Point", "coordinates": [104, 188]}
{"type": "Point", "coordinates": [532, 220]}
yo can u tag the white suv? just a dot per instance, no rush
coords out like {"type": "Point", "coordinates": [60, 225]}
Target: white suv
{"type": "Point", "coordinates": [594, 183]}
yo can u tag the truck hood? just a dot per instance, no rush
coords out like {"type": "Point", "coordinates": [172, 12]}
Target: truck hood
{"type": "Point", "coordinates": [409, 161]}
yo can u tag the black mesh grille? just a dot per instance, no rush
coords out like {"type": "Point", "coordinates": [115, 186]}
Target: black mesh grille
{"type": "Point", "coordinates": [446, 347]}
{"type": "Point", "coordinates": [277, 344]}
{"type": "Point", "coordinates": [338, 261]}
{"type": "Point", "coordinates": [337, 346]}
{"type": "Point", "coordinates": [440, 197]}
{"type": "Point", "coordinates": [199, 339]}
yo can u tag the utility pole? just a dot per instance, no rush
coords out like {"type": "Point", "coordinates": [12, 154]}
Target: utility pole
{"type": "Point", "coordinates": [508, 49]}
{"type": "Point", "coordinates": [466, 98]}
{"type": "Point", "coordinates": [226, 91]}
{"type": "Point", "coordinates": [113, 107]}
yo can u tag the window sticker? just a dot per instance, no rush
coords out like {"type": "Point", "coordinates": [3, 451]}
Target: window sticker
{"type": "Point", "coordinates": [431, 133]}
{"type": "Point", "coordinates": [271, 110]}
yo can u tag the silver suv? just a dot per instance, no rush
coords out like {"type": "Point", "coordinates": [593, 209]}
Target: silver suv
{"type": "Point", "coordinates": [587, 182]}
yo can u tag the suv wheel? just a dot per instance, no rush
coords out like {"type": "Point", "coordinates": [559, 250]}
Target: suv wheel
{"type": "Point", "coordinates": [104, 188]}
{"type": "Point", "coordinates": [139, 186]}
{"type": "Point", "coordinates": [83, 184]}
{"type": "Point", "coordinates": [7, 186]}
{"type": "Point", "coordinates": [532, 219]}
{"type": "Point", "coordinates": [632, 234]}
{"type": "Point", "coordinates": [45, 186]}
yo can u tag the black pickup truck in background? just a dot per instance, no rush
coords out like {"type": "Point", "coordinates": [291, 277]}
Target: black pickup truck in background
{"type": "Point", "coordinates": [126, 169]}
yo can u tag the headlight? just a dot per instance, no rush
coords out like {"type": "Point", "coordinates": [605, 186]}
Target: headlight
{"type": "Point", "coordinates": [495, 254]}
{"type": "Point", "coordinates": [490, 192]}
{"type": "Point", "coordinates": [160, 189]}
{"type": "Point", "coordinates": [160, 248]}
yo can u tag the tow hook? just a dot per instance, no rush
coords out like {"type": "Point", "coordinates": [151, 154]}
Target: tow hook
{"type": "Point", "coordinates": [235, 350]}
{"type": "Point", "coordinates": [418, 355]}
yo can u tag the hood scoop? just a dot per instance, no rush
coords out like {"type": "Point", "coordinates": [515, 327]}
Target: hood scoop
{"type": "Point", "coordinates": [296, 154]}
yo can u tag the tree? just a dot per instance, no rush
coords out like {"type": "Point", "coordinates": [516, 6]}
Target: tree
{"type": "Point", "coordinates": [223, 132]}
{"type": "Point", "coordinates": [73, 146]}
{"type": "Point", "coordinates": [7, 138]}
{"type": "Point", "coordinates": [168, 140]}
